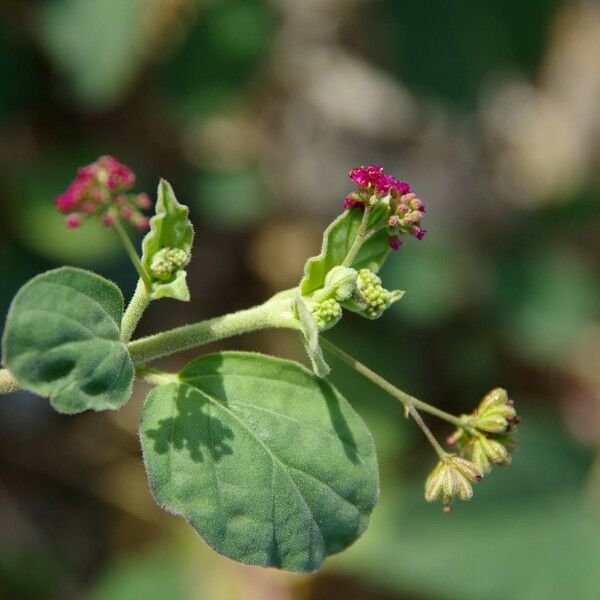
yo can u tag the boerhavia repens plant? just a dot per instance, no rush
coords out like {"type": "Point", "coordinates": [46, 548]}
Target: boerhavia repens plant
{"type": "Point", "coordinates": [264, 458]}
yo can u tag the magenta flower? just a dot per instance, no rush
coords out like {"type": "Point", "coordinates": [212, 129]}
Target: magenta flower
{"type": "Point", "coordinates": [395, 242]}
{"type": "Point", "coordinates": [373, 179]}
{"type": "Point", "coordinates": [98, 190]}
{"type": "Point", "coordinates": [404, 209]}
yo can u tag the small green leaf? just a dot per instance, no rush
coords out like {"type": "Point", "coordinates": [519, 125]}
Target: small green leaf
{"type": "Point", "coordinates": [311, 338]}
{"type": "Point", "coordinates": [337, 240]}
{"type": "Point", "coordinates": [171, 233]}
{"type": "Point", "coordinates": [62, 340]}
{"type": "Point", "coordinates": [269, 463]}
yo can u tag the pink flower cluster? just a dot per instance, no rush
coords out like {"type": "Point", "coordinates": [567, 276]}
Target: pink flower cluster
{"type": "Point", "coordinates": [98, 190]}
{"type": "Point", "coordinates": [405, 209]}
{"type": "Point", "coordinates": [373, 179]}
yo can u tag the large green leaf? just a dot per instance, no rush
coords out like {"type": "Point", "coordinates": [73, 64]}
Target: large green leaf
{"type": "Point", "coordinates": [269, 463]}
{"type": "Point", "coordinates": [170, 228]}
{"type": "Point", "coordinates": [337, 240]}
{"type": "Point", "coordinates": [62, 340]}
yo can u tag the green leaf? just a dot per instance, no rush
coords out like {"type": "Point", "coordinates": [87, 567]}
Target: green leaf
{"type": "Point", "coordinates": [269, 463]}
{"type": "Point", "coordinates": [170, 228]}
{"type": "Point", "coordinates": [62, 340]}
{"type": "Point", "coordinates": [337, 240]}
{"type": "Point", "coordinates": [311, 338]}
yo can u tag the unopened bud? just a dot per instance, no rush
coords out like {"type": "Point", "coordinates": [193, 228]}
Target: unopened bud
{"type": "Point", "coordinates": [371, 298]}
{"type": "Point", "coordinates": [450, 478]}
{"type": "Point", "coordinates": [495, 413]}
{"type": "Point", "coordinates": [340, 283]}
{"type": "Point", "coordinates": [167, 261]}
{"type": "Point", "coordinates": [326, 313]}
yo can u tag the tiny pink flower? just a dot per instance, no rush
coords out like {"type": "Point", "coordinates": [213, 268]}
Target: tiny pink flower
{"type": "Point", "coordinates": [73, 221]}
{"type": "Point", "coordinates": [418, 232]}
{"type": "Point", "coordinates": [97, 188]}
{"type": "Point", "coordinates": [395, 242]}
{"type": "Point", "coordinates": [108, 220]}
{"type": "Point", "coordinates": [143, 201]}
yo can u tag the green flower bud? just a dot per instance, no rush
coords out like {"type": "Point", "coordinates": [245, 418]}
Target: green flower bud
{"type": "Point", "coordinates": [371, 299]}
{"type": "Point", "coordinates": [483, 452]}
{"type": "Point", "coordinates": [340, 283]}
{"type": "Point", "coordinates": [167, 261]}
{"type": "Point", "coordinates": [326, 313]}
{"type": "Point", "coordinates": [495, 413]}
{"type": "Point", "coordinates": [451, 477]}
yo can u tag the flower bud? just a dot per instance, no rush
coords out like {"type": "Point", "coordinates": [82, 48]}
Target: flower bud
{"type": "Point", "coordinates": [167, 261]}
{"type": "Point", "coordinates": [483, 452]}
{"type": "Point", "coordinates": [371, 299]}
{"type": "Point", "coordinates": [495, 413]}
{"type": "Point", "coordinates": [451, 477]}
{"type": "Point", "coordinates": [326, 313]}
{"type": "Point", "coordinates": [340, 283]}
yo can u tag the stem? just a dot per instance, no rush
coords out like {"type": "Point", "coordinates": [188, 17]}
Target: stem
{"type": "Point", "coordinates": [276, 312]}
{"type": "Point", "coordinates": [8, 383]}
{"type": "Point", "coordinates": [156, 377]}
{"type": "Point", "coordinates": [419, 421]}
{"type": "Point", "coordinates": [138, 304]}
{"type": "Point", "coordinates": [359, 240]}
{"type": "Point", "coordinates": [135, 259]}
{"type": "Point", "coordinates": [379, 381]}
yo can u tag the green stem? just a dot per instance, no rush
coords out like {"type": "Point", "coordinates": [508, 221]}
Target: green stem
{"type": "Point", "coordinates": [385, 385]}
{"type": "Point", "coordinates": [419, 421]}
{"type": "Point", "coordinates": [359, 240]}
{"type": "Point", "coordinates": [276, 312]}
{"type": "Point", "coordinates": [156, 377]}
{"type": "Point", "coordinates": [133, 255]}
{"type": "Point", "coordinates": [138, 304]}
{"type": "Point", "coordinates": [8, 383]}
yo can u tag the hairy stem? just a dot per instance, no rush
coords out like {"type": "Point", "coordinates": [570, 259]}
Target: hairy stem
{"type": "Point", "coordinates": [8, 383]}
{"type": "Point", "coordinates": [133, 255]}
{"type": "Point", "coordinates": [276, 312]}
{"type": "Point", "coordinates": [138, 304]}
{"type": "Point", "coordinates": [155, 377]}
{"type": "Point", "coordinates": [359, 240]}
{"type": "Point", "coordinates": [385, 385]}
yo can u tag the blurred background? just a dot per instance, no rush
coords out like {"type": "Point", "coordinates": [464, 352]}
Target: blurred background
{"type": "Point", "coordinates": [255, 110]}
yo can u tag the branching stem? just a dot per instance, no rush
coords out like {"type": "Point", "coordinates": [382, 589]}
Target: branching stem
{"type": "Point", "coordinates": [359, 240]}
{"type": "Point", "coordinates": [385, 385]}
{"type": "Point", "coordinates": [275, 313]}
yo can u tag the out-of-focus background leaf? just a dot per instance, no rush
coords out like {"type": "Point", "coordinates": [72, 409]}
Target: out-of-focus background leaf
{"type": "Point", "coordinates": [255, 110]}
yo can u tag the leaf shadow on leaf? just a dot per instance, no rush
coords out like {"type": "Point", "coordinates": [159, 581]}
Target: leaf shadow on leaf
{"type": "Point", "coordinates": [194, 428]}
{"type": "Point", "coordinates": [339, 423]}
{"type": "Point", "coordinates": [214, 386]}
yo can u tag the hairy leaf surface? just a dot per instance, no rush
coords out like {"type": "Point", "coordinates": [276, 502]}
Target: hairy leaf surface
{"type": "Point", "coordinates": [269, 463]}
{"type": "Point", "coordinates": [62, 340]}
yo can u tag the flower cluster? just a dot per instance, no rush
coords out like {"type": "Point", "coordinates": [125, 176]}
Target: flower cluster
{"type": "Point", "coordinates": [98, 190]}
{"type": "Point", "coordinates": [167, 261]}
{"type": "Point", "coordinates": [371, 299]}
{"type": "Point", "coordinates": [451, 477]}
{"type": "Point", "coordinates": [487, 437]}
{"type": "Point", "coordinates": [373, 179]}
{"type": "Point", "coordinates": [404, 209]}
{"type": "Point", "coordinates": [326, 313]}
